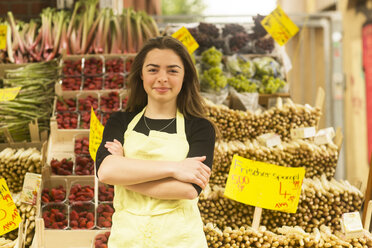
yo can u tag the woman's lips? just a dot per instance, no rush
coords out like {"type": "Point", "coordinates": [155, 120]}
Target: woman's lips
{"type": "Point", "coordinates": [161, 89]}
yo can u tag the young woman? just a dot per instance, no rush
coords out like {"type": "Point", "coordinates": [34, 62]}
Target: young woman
{"type": "Point", "coordinates": [158, 152]}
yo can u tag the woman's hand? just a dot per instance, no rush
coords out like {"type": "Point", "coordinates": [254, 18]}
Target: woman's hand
{"type": "Point", "coordinates": [192, 170]}
{"type": "Point", "coordinates": [115, 147]}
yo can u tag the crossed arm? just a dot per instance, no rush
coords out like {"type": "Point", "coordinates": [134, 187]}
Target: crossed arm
{"type": "Point", "coordinates": [170, 180]}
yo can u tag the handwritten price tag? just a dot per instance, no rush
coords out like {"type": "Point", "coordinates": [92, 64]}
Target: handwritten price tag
{"type": "Point", "coordinates": [186, 38]}
{"type": "Point", "coordinates": [95, 134]}
{"type": "Point", "coordinates": [9, 94]}
{"type": "Point", "coordinates": [3, 31]}
{"type": "Point", "coordinates": [279, 26]}
{"type": "Point", "coordinates": [9, 216]}
{"type": "Point", "coordinates": [264, 185]}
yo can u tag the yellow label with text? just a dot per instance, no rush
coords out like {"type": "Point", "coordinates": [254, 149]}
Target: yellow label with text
{"type": "Point", "coordinates": [279, 26]}
{"type": "Point", "coordinates": [264, 185]}
{"type": "Point", "coordinates": [186, 38]}
{"type": "Point", "coordinates": [3, 32]}
{"type": "Point", "coordinates": [95, 134]}
{"type": "Point", "coordinates": [9, 94]}
{"type": "Point", "coordinates": [9, 216]}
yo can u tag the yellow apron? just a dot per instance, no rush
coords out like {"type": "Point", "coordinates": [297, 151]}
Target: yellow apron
{"type": "Point", "coordinates": [141, 221]}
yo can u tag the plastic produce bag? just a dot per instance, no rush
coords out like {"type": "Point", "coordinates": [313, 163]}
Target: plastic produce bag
{"type": "Point", "coordinates": [243, 101]}
{"type": "Point", "coordinates": [267, 66]}
{"type": "Point", "coordinates": [217, 97]}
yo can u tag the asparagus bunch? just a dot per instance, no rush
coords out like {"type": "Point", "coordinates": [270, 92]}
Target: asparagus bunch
{"type": "Point", "coordinates": [322, 202]}
{"type": "Point", "coordinates": [33, 102]}
{"type": "Point", "coordinates": [287, 237]}
{"type": "Point", "coordinates": [316, 159]}
{"type": "Point", "coordinates": [14, 163]}
{"type": "Point", "coordinates": [243, 125]}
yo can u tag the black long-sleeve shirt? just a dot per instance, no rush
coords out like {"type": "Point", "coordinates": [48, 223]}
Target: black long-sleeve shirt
{"type": "Point", "coordinates": [200, 135]}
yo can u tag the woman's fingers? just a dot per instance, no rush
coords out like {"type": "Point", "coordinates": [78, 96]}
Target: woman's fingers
{"type": "Point", "coordinates": [115, 147]}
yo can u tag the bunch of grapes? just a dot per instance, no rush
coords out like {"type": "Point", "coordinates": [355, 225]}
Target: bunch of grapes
{"type": "Point", "coordinates": [248, 69]}
{"type": "Point", "coordinates": [271, 85]}
{"type": "Point", "coordinates": [238, 41]}
{"type": "Point", "coordinates": [211, 57]}
{"type": "Point", "coordinates": [213, 79]}
{"type": "Point", "coordinates": [232, 29]}
{"type": "Point", "coordinates": [242, 84]}
{"type": "Point", "coordinates": [265, 45]}
{"type": "Point", "coordinates": [204, 40]}
{"type": "Point", "coordinates": [209, 29]}
{"type": "Point", "coordinates": [258, 29]}
{"type": "Point", "coordinates": [267, 66]}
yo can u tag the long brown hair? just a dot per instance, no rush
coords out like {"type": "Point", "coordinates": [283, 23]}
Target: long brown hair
{"type": "Point", "coordinates": [189, 101]}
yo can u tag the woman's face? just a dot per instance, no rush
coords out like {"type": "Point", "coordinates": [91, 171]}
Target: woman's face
{"type": "Point", "coordinates": [162, 75]}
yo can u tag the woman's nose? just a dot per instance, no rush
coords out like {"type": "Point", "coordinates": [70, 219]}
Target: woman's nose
{"type": "Point", "coordinates": [162, 76]}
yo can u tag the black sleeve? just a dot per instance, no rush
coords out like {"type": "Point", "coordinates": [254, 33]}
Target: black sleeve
{"type": "Point", "coordinates": [114, 129]}
{"type": "Point", "coordinates": [201, 140]}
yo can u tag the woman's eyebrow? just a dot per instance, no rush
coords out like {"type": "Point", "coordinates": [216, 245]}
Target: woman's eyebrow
{"type": "Point", "coordinates": [168, 66]}
{"type": "Point", "coordinates": [172, 66]}
{"type": "Point", "coordinates": [152, 65]}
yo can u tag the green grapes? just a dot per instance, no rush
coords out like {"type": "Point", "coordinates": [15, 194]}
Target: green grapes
{"type": "Point", "coordinates": [271, 85]}
{"type": "Point", "coordinates": [247, 68]}
{"type": "Point", "coordinates": [267, 66]}
{"type": "Point", "coordinates": [211, 57]}
{"type": "Point", "coordinates": [213, 79]}
{"type": "Point", "coordinates": [242, 84]}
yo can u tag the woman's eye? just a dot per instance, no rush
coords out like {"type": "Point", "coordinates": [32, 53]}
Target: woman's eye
{"type": "Point", "coordinates": [173, 71]}
{"type": "Point", "coordinates": [152, 70]}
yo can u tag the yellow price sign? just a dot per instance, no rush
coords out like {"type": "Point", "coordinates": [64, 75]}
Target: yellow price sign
{"type": "Point", "coordinates": [3, 32]}
{"type": "Point", "coordinates": [186, 38]}
{"type": "Point", "coordinates": [9, 216]}
{"type": "Point", "coordinates": [9, 94]}
{"type": "Point", "coordinates": [264, 185]}
{"type": "Point", "coordinates": [95, 134]}
{"type": "Point", "coordinates": [279, 26]}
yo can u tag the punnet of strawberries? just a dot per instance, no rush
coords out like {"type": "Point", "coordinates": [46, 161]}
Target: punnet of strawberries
{"type": "Point", "coordinates": [57, 194]}
{"type": "Point", "coordinates": [114, 65]}
{"type": "Point", "coordinates": [62, 167]}
{"type": "Point", "coordinates": [93, 83]}
{"type": "Point", "coordinates": [101, 240]}
{"type": "Point", "coordinates": [105, 192]}
{"type": "Point", "coordinates": [113, 81]}
{"type": "Point", "coordinates": [85, 104]}
{"type": "Point", "coordinates": [71, 83]}
{"type": "Point", "coordinates": [82, 146]}
{"type": "Point", "coordinates": [67, 120]}
{"type": "Point", "coordinates": [84, 165]}
{"type": "Point", "coordinates": [104, 215]}
{"type": "Point", "coordinates": [93, 66]}
{"type": "Point", "coordinates": [111, 102]}
{"type": "Point", "coordinates": [66, 104]}
{"type": "Point", "coordinates": [82, 215]}
{"type": "Point", "coordinates": [81, 193]}
{"type": "Point", "coordinates": [71, 67]}
{"type": "Point", "coordinates": [55, 216]}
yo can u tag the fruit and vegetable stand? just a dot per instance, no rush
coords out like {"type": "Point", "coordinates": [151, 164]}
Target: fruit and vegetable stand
{"type": "Point", "coordinates": [74, 209]}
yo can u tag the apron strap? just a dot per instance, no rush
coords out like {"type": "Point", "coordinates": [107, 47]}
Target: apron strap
{"type": "Point", "coordinates": [180, 122]}
{"type": "Point", "coordinates": [135, 120]}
